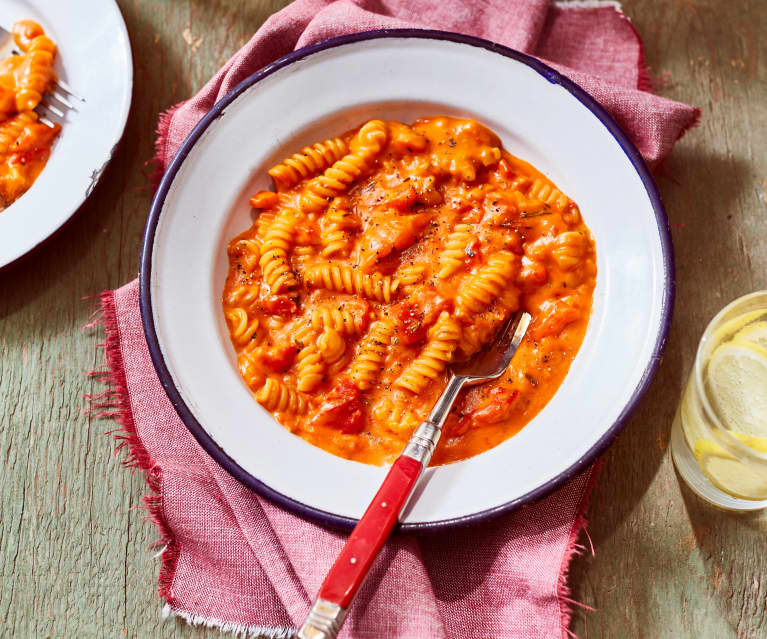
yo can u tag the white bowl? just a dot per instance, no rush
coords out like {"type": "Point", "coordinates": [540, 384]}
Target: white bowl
{"type": "Point", "coordinates": [328, 88]}
{"type": "Point", "coordinates": [94, 58]}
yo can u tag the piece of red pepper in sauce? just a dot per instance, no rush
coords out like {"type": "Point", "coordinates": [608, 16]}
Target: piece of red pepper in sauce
{"type": "Point", "coordinates": [498, 408]}
{"type": "Point", "coordinates": [403, 198]}
{"type": "Point", "coordinates": [342, 409]}
{"type": "Point", "coordinates": [279, 305]}
{"type": "Point", "coordinates": [279, 359]}
{"type": "Point", "coordinates": [410, 323]}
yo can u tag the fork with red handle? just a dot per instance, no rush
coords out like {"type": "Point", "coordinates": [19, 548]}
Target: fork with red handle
{"type": "Point", "coordinates": [371, 532]}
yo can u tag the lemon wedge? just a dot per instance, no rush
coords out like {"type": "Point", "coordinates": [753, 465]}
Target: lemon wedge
{"type": "Point", "coordinates": [755, 333]}
{"type": "Point", "coordinates": [728, 473]}
{"type": "Point", "coordinates": [737, 381]}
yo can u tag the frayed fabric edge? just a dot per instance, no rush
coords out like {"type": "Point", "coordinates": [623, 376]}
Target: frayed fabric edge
{"type": "Point", "coordinates": [114, 403]}
{"type": "Point", "coordinates": [238, 630]}
{"type": "Point", "coordinates": [644, 81]}
{"type": "Point", "coordinates": [161, 143]}
{"type": "Point", "coordinates": [572, 550]}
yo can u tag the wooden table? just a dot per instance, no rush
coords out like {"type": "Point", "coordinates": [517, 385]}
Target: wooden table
{"type": "Point", "coordinates": [73, 545]}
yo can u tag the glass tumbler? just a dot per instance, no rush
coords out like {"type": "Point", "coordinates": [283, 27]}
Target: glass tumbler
{"type": "Point", "coordinates": [719, 434]}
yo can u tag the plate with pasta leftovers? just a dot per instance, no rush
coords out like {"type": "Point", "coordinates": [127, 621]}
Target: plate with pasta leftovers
{"type": "Point", "coordinates": [51, 159]}
{"type": "Point", "coordinates": [312, 267]}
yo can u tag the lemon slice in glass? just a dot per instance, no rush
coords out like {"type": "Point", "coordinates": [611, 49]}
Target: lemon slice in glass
{"type": "Point", "coordinates": [730, 327]}
{"type": "Point", "coordinates": [737, 384]}
{"type": "Point", "coordinates": [728, 473]}
{"type": "Point", "coordinates": [755, 333]}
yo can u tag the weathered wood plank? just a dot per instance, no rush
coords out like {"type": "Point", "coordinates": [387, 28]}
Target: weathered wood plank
{"type": "Point", "coordinates": [73, 548]}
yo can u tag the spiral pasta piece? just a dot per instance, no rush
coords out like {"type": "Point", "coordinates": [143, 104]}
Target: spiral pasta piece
{"type": "Point", "coordinates": [453, 256]}
{"type": "Point", "coordinates": [546, 193]}
{"type": "Point", "coordinates": [35, 75]}
{"type": "Point", "coordinates": [443, 338]}
{"type": "Point", "coordinates": [24, 32]}
{"type": "Point", "coordinates": [336, 224]}
{"type": "Point", "coordinates": [336, 179]}
{"type": "Point", "coordinates": [263, 222]}
{"type": "Point", "coordinates": [265, 200]}
{"type": "Point", "coordinates": [243, 328]}
{"type": "Point", "coordinates": [410, 274]}
{"type": "Point", "coordinates": [569, 249]}
{"type": "Point", "coordinates": [310, 366]}
{"type": "Point", "coordinates": [308, 162]}
{"type": "Point", "coordinates": [346, 279]}
{"type": "Point", "coordinates": [243, 294]}
{"type": "Point", "coordinates": [371, 355]}
{"type": "Point", "coordinates": [11, 129]}
{"type": "Point", "coordinates": [278, 241]}
{"type": "Point", "coordinates": [339, 319]}
{"type": "Point", "coordinates": [250, 250]}
{"type": "Point", "coordinates": [335, 241]}
{"type": "Point", "coordinates": [276, 396]}
{"type": "Point", "coordinates": [370, 139]}
{"type": "Point", "coordinates": [332, 345]}
{"type": "Point", "coordinates": [302, 255]}
{"type": "Point", "coordinates": [480, 289]}
{"type": "Point", "coordinates": [396, 416]}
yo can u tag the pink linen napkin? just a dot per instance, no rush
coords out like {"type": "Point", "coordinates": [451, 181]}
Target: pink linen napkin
{"type": "Point", "coordinates": [233, 560]}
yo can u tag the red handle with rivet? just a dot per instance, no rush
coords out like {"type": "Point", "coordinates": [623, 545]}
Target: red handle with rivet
{"type": "Point", "coordinates": [370, 533]}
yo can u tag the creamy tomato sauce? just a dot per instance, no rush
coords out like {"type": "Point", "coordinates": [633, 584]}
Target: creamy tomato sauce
{"type": "Point", "coordinates": [384, 255]}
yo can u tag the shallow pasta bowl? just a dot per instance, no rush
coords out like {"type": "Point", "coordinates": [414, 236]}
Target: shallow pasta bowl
{"type": "Point", "coordinates": [402, 75]}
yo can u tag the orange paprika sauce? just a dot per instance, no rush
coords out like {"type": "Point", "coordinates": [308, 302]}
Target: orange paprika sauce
{"type": "Point", "coordinates": [25, 143]}
{"type": "Point", "coordinates": [385, 254]}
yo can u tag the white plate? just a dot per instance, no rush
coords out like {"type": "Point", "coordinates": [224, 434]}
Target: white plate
{"type": "Point", "coordinates": [329, 88]}
{"type": "Point", "coordinates": [94, 58]}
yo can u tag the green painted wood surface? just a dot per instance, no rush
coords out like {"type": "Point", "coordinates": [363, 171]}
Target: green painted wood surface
{"type": "Point", "coordinates": [73, 546]}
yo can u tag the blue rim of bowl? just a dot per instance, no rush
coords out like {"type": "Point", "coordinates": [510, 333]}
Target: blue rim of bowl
{"type": "Point", "coordinates": [324, 517]}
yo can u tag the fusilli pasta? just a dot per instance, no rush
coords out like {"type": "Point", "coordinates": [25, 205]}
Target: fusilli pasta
{"type": "Point", "coordinates": [346, 279]}
{"type": "Point", "coordinates": [339, 319]}
{"type": "Point", "coordinates": [442, 340]}
{"type": "Point", "coordinates": [310, 366]}
{"type": "Point", "coordinates": [332, 345]}
{"type": "Point", "coordinates": [334, 231]}
{"type": "Point", "coordinates": [453, 256]}
{"type": "Point", "coordinates": [336, 179]}
{"type": "Point", "coordinates": [484, 286]}
{"type": "Point", "coordinates": [276, 396]}
{"type": "Point", "coordinates": [543, 191]}
{"type": "Point", "coordinates": [274, 252]}
{"type": "Point", "coordinates": [244, 328]}
{"type": "Point", "coordinates": [308, 162]}
{"type": "Point", "coordinates": [410, 274]}
{"type": "Point", "coordinates": [243, 294]}
{"type": "Point", "coordinates": [371, 355]}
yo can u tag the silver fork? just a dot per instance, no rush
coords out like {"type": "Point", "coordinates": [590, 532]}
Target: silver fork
{"type": "Point", "coordinates": [46, 107]}
{"type": "Point", "coordinates": [369, 535]}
